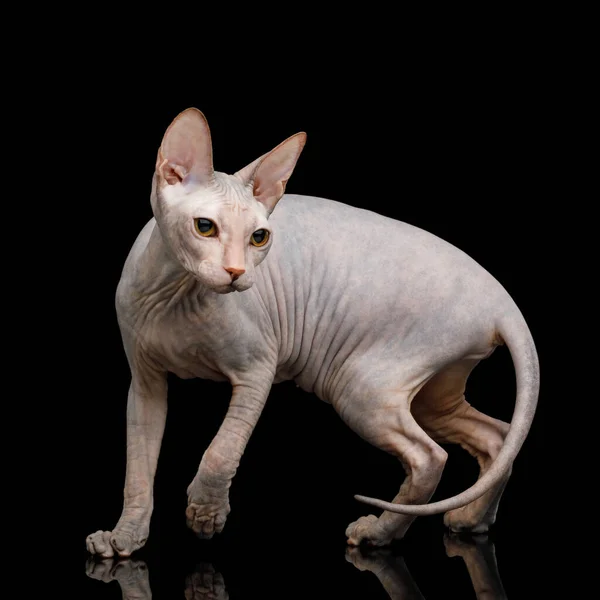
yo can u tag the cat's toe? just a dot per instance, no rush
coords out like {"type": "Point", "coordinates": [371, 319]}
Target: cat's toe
{"type": "Point", "coordinates": [99, 544]}
{"type": "Point", "coordinates": [105, 544]}
{"type": "Point", "coordinates": [367, 530]}
{"type": "Point", "coordinates": [207, 519]}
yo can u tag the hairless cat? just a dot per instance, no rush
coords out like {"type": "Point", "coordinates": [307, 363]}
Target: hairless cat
{"type": "Point", "coordinates": [232, 280]}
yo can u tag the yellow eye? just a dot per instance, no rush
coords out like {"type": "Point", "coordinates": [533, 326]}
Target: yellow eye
{"type": "Point", "coordinates": [260, 237]}
{"type": "Point", "coordinates": [205, 227]}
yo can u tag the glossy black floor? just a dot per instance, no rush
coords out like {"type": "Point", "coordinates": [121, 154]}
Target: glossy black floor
{"type": "Point", "coordinates": [291, 501]}
{"type": "Point", "coordinates": [288, 561]}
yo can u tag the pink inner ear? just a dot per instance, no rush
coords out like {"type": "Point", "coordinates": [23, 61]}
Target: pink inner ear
{"type": "Point", "coordinates": [268, 192]}
{"type": "Point", "coordinates": [273, 173]}
{"type": "Point", "coordinates": [186, 149]}
{"type": "Point", "coordinates": [171, 172]}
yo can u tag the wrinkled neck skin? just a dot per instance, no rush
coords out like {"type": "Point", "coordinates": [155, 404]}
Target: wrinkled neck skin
{"type": "Point", "coordinates": [158, 281]}
{"type": "Point", "coordinates": [155, 273]}
{"type": "Point", "coordinates": [168, 315]}
{"type": "Point", "coordinates": [159, 267]}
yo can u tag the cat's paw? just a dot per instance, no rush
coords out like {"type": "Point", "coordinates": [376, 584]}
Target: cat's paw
{"type": "Point", "coordinates": [207, 518]}
{"type": "Point", "coordinates": [466, 520]}
{"type": "Point", "coordinates": [205, 584]}
{"type": "Point", "coordinates": [367, 530]}
{"type": "Point", "coordinates": [106, 543]}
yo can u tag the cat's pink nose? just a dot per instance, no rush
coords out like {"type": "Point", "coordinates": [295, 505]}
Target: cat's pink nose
{"type": "Point", "coordinates": [235, 273]}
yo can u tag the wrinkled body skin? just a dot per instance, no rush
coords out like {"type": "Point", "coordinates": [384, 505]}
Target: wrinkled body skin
{"type": "Point", "coordinates": [380, 319]}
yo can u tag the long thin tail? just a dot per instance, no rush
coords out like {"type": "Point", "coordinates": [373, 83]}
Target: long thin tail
{"type": "Point", "coordinates": [515, 333]}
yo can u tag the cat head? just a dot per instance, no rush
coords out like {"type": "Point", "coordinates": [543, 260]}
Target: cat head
{"type": "Point", "coordinates": [216, 224]}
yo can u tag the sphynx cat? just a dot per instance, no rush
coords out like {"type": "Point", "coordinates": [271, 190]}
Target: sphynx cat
{"type": "Point", "coordinates": [234, 281]}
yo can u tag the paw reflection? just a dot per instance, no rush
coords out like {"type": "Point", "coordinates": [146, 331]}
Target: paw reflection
{"type": "Point", "coordinates": [131, 575]}
{"type": "Point", "coordinates": [205, 584]}
{"type": "Point", "coordinates": [476, 551]}
{"type": "Point", "coordinates": [389, 569]}
{"type": "Point", "coordinates": [480, 559]}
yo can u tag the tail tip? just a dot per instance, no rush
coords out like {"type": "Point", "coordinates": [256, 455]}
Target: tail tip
{"type": "Point", "coordinates": [361, 498]}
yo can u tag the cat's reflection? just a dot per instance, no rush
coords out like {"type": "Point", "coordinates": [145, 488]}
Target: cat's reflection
{"type": "Point", "coordinates": [132, 576]}
{"type": "Point", "coordinates": [389, 569]}
{"type": "Point", "coordinates": [206, 584]}
{"type": "Point", "coordinates": [476, 551]}
{"type": "Point", "coordinates": [479, 556]}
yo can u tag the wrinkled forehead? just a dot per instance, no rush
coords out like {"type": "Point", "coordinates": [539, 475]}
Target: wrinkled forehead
{"type": "Point", "coordinates": [233, 196]}
{"type": "Point", "coordinates": [226, 197]}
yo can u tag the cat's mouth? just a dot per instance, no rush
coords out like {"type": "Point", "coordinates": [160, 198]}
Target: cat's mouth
{"type": "Point", "coordinates": [235, 286]}
{"type": "Point", "coordinates": [243, 284]}
{"type": "Point", "coordinates": [238, 285]}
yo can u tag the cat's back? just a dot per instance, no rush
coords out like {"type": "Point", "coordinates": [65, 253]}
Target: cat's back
{"type": "Point", "coordinates": [355, 250]}
{"type": "Point", "coordinates": [316, 213]}
{"type": "Point", "coordinates": [308, 224]}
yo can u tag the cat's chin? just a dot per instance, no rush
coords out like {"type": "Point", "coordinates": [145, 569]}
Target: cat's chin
{"type": "Point", "coordinates": [223, 289]}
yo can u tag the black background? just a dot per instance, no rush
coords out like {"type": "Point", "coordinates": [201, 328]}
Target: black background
{"type": "Point", "coordinates": [467, 150]}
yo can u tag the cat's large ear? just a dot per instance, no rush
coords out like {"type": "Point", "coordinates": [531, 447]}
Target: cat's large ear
{"type": "Point", "coordinates": [185, 154]}
{"type": "Point", "coordinates": [269, 174]}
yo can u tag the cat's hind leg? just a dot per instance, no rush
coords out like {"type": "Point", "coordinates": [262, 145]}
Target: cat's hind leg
{"type": "Point", "coordinates": [443, 412]}
{"type": "Point", "coordinates": [382, 417]}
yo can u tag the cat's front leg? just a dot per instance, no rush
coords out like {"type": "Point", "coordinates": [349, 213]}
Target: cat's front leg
{"type": "Point", "coordinates": [146, 416]}
{"type": "Point", "coordinates": [208, 494]}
